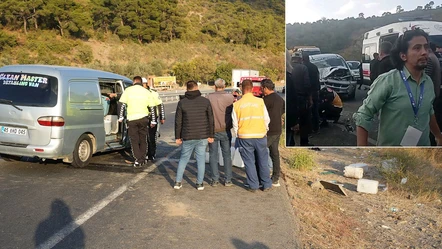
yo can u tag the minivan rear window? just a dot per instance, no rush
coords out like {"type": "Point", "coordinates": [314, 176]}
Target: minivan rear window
{"type": "Point", "coordinates": [27, 89]}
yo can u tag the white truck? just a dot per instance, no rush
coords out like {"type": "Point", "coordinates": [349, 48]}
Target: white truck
{"type": "Point", "coordinates": [373, 39]}
{"type": "Point", "coordinates": [238, 73]}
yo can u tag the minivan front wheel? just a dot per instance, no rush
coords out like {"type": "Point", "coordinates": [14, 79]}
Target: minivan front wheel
{"type": "Point", "coordinates": [82, 152]}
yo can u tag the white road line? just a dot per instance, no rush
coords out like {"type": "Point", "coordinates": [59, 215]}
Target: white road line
{"type": "Point", "coordinates": [173, 112]}
{"type": "Point", "coordinates": [68, 229]}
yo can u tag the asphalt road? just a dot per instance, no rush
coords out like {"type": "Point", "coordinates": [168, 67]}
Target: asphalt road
{"type": "Point", "coordinates": [344, 132]}
{"type": "Point", "coordinates": [111, 205]}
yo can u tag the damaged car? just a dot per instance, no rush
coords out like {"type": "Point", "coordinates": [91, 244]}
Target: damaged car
{"type": "Point", "coordinates": [335, 73]}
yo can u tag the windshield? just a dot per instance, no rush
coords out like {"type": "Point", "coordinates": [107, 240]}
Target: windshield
{"type": "Point", "coordinates": [353, 64]}
{"type": "Point", "coordinates": [29, 89]}
{"type": "Point", "coordinates": [329, 62]}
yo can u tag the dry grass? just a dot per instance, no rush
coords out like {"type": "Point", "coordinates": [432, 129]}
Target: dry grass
{"type": "Point", "coordinates": [328, 220]}
{"type": "Point", "coordinates": [421, 167]}
{"type": "Point", "coordinates": [324, 224]}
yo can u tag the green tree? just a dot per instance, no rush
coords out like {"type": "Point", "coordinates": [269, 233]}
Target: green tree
{"type": "Point", "coordinates": [67, 15]}
{"type": "Point", "coordinates": [224, 71]}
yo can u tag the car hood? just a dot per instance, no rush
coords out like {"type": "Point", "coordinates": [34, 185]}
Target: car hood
{"type": "Point", "coordinates": [328, 72]}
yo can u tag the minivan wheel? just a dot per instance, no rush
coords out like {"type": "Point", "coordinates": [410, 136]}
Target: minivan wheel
{"type": "Point", "coordinates": [82, 152]}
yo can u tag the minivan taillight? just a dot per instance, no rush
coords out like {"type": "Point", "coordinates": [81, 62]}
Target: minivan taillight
{"type": "Point", "coordinates": [51, 121]}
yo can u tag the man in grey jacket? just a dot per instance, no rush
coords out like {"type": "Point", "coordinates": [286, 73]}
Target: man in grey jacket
{"type": "Point", "coordinates": [222, 104]}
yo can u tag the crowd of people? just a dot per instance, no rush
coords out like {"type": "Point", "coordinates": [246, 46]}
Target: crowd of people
{"type": "Point", "coordinates": [310, 106]}
{"type": "Point", "coordinates": [213, 121]}
{"type": "Point", "coordinates": [405, 94]}
{"type": "Point", "coordinates": [255, 123]}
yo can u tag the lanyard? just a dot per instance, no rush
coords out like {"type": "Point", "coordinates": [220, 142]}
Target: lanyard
{"type": "Point", "coordinates": [410, 95]}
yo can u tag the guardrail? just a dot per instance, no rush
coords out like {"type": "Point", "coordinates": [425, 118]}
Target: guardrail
{"type": "Point", "coordinates": [176, 97]}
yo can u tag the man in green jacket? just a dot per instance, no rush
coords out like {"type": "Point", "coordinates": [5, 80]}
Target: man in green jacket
{"type": "Point", "coordinates": [402, 97]}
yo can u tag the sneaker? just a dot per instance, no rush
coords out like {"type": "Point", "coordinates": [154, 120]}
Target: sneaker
{"type": "Point", "coordinates": [275, 183]}
{"type": "Point", "coordinates": [200, 186]}
{"type": "Point", "coordinates": [228, 183]}
{"type": "Point", "coordinates": [152, 159]}
{"type": "Point", "coordinates": [214, 183]}
{"type": "Point", "coordinates": [137, 165]}
{"type": "Point", "coordinates": [178, 185]}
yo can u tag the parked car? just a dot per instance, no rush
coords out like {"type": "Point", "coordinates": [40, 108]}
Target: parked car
{"type": "Point", "coordinates": [354, 67]}
{"type": "Point", "coordinates": [335, 73]}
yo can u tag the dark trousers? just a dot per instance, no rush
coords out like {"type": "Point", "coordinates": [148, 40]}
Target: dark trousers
{"type": "Point", "coordinates": [138, 138]}
{"type": "Point", "coordinates": [437, 105]}
{"type": "Point", "coordinates": [254, 150]}
{"type": "Point", "coordinates": [289, 136]}
{"type": "Point", "coordinates": [273, 144]}
{"type": "Point", "coordinates": [305, 120]}
{"type": "Point", "coordinates": [315, 112]}
{"type": "Point", "coordinates": [152, 141]}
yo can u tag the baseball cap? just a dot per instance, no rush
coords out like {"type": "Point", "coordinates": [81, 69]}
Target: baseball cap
{"type": "Point", "coordinates": [144, 80]}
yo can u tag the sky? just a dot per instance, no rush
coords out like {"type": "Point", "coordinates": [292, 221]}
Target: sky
{"type": "Point", "coordinates": [312, 10]}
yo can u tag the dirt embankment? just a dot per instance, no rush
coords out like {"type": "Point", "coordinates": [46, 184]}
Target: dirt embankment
{"type": "Point", "coordinates": [398, 216]}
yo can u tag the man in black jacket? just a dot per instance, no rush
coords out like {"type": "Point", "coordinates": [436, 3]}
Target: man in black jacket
{"type": "Point", "coordinates": [194, 129]}
{"type": "Point", "coordinates": [292, 107]}
{"type": "Point", "coordinates": [373, 67]}
{"type": "Point", "coordinates": [313, 74]}
{"type": "Point", "coordinates": [302, 89]}
{"type": "Point", "coordinates": [276, 107]}
{"type": "Point", "coordinates": [385, 63]}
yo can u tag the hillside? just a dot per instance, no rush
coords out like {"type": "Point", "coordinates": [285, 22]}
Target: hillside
{"type": "Point", "coordinates": [192, 39]}
{"type": "Point", "coordinates": [345, 36]}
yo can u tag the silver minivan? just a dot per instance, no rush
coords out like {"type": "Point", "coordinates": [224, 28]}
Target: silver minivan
{"type": "Point", "coordinates": [56, 112]}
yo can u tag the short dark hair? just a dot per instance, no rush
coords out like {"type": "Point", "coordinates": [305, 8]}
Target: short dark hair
{"type": "Point", "coordinates": [191, 85]}
{"type": "Point", "coordinates": [138, 78]}
{"type": "Point", "coordinates": [268, 83]}
{"type": "Point", "coordinates": [401, 46]}
{"type": "Point", "coordinates": [386, 47]}
{"type": "Point", "coordinates": [375, 54]}
{"type": "Point", "coordinates": [247, 85]}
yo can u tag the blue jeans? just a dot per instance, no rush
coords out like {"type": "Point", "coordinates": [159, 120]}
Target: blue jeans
{"type": "Point", "coordinates": [254, 150]}
{"type": "Point", "coordinates": [186, 151]}
{"type": "Point", "coordinates": [225, 139]}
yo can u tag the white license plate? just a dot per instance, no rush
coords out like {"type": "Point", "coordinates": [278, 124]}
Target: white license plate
{"type": "Point", "coordinates": [15, 131]}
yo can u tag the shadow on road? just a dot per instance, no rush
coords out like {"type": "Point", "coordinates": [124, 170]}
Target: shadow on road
{"type": "Point", "coordinates": [240, 244]}
{"type": "Point", "coordinates": [59, 217]}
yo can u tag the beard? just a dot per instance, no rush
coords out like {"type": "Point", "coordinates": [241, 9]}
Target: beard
{"type": "Point", "coordinates": [421, 66]}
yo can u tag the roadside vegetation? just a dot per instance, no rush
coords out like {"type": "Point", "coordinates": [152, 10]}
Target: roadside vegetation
{"type": "Point", "coordinates": [191, 39]}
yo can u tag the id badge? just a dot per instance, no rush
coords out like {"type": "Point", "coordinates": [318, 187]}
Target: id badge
{"type": "Point", "coordinates": [411, 137]}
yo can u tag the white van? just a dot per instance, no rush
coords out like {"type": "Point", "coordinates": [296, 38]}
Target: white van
{"type": "Point", "coordinates": [373, 39]}
{"type": "Point", "coordinates": [55, 112]}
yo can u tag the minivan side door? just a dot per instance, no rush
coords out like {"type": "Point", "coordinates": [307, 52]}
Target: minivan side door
{"type": "Point", "coordinates": [84, 113]}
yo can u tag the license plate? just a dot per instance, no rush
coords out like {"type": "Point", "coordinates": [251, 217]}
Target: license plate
{"type": "Point", "coordinates": [15, 131]}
